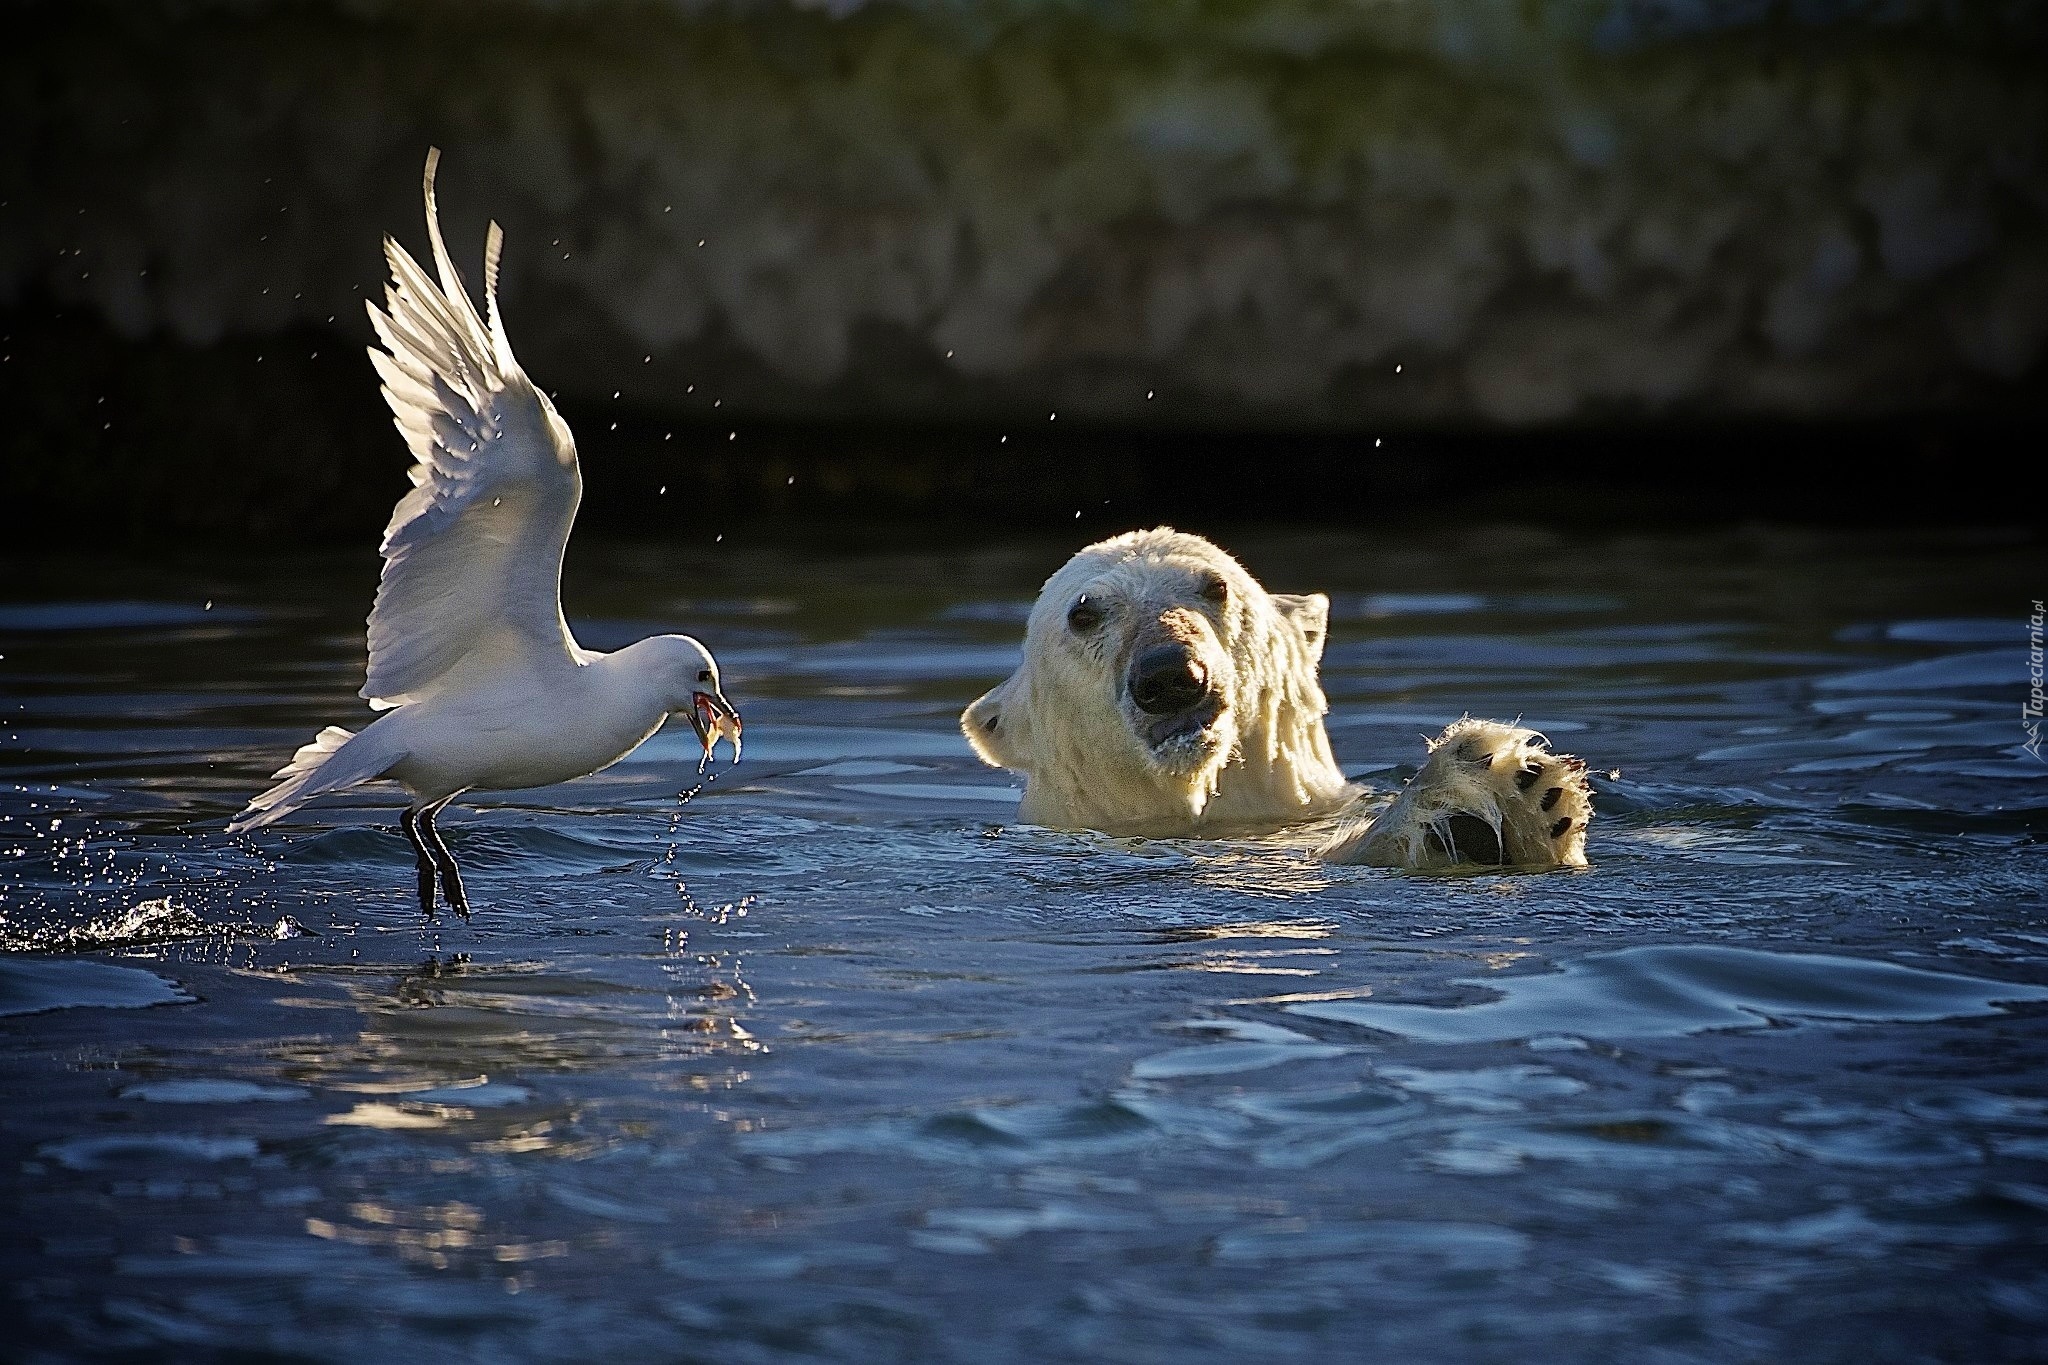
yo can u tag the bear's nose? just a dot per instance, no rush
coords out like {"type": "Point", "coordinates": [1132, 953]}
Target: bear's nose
{"type": "Point", "coordinates": [1166, 679]}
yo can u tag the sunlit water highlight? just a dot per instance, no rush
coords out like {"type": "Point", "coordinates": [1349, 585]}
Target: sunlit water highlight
{"type": "Point", "coordinates": [832, 1061]}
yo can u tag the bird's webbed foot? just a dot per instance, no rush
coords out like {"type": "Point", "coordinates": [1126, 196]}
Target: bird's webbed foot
{"type": "Point", "coordinates": [451, 875]}
{"type": "Point", "coordinates": [410, 822]}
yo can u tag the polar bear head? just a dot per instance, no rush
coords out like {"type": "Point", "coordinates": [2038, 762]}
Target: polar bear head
{"type": "Point", "coordinates": [1163, 689]}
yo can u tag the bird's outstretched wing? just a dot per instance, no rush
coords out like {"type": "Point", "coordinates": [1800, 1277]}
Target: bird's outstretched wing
{"type": "Point", "coordinates": [473, 555]}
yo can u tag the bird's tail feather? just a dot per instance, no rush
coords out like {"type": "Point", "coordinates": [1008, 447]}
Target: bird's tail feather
{"type": "Point", "coordinates": [336, 758]}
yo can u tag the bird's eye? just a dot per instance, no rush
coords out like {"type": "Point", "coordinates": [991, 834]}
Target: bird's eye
{"type": "Point", "coordinates": [704, 675]}
{"type": "Point", "coordinates": [1084, 616]}
{"type": "Point", "coordinates": [1216, 590]}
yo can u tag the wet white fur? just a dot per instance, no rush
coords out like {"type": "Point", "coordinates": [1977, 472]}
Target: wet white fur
{"type": "Point", "coordinates": [1065, 721]}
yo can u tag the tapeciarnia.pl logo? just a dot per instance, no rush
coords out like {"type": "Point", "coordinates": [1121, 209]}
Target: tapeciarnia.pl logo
{"type": "Point", "coordinates": [2030, 713]}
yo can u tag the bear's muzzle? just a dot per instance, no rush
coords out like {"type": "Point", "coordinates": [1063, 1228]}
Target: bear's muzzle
{"type": "Point", "coordinates": [1171, 688]}
{"type": "Point", "coordinates": [1167, 679]}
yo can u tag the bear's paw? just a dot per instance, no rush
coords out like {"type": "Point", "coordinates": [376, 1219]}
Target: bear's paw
{"type": "Point", "coordinates": [1489, 795]}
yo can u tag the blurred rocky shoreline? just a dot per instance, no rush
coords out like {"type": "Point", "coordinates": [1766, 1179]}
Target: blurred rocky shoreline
{"type": "Point", "coordinates": [1321, 221]}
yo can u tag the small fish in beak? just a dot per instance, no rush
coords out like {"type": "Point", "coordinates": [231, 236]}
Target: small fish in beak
{"type": "Point", "coordinates": [713, 718]}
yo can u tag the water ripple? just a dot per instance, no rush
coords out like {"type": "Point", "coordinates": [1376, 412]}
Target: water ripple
{"type": "Point", "coordinates": [1667, 991]}
{"type": "Point", "coordinates": [831, 1060]}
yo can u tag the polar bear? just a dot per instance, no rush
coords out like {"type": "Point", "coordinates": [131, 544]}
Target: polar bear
{"type": "Point", "coordinates": [1165, 692]}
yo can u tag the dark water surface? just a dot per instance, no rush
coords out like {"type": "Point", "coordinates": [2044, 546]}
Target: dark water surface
{"type": "Point", "coordinates": [832, 1061]}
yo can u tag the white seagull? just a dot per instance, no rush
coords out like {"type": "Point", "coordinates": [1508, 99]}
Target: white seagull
{"type": "Point", "coordinates": [483, 686]}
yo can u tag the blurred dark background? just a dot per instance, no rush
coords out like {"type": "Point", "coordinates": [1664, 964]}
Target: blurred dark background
{"type": "Point", "coordinates": [1006, 262]}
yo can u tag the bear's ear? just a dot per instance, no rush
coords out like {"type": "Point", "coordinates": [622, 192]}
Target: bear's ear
{"type": "Point", "coordinates": [1310, 613]}
{"type": "Point", "coordinates": [999, 728]}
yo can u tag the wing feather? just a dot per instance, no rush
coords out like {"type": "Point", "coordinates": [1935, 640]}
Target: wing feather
{"type": "Point", "coordinates": [473, 554]}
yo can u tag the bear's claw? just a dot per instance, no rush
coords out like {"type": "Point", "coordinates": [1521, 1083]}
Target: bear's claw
{"type": "Point", "coordinates": [1467, 806]}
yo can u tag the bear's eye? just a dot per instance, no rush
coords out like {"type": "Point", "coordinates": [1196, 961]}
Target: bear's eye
{"type": "Point", "coordinates": [1216, 590]}
{"type": "Point", "coordinates": [1083, 616]}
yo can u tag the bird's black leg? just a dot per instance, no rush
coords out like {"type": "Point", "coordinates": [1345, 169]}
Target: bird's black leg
{"type": "Point", "coordinates": [451, 876]}
{"type": "Point", "coordinates": [409, 822]}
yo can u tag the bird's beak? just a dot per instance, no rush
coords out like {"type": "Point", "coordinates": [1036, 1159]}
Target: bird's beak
{"type": "Point", "coordinates": [713, 718]}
